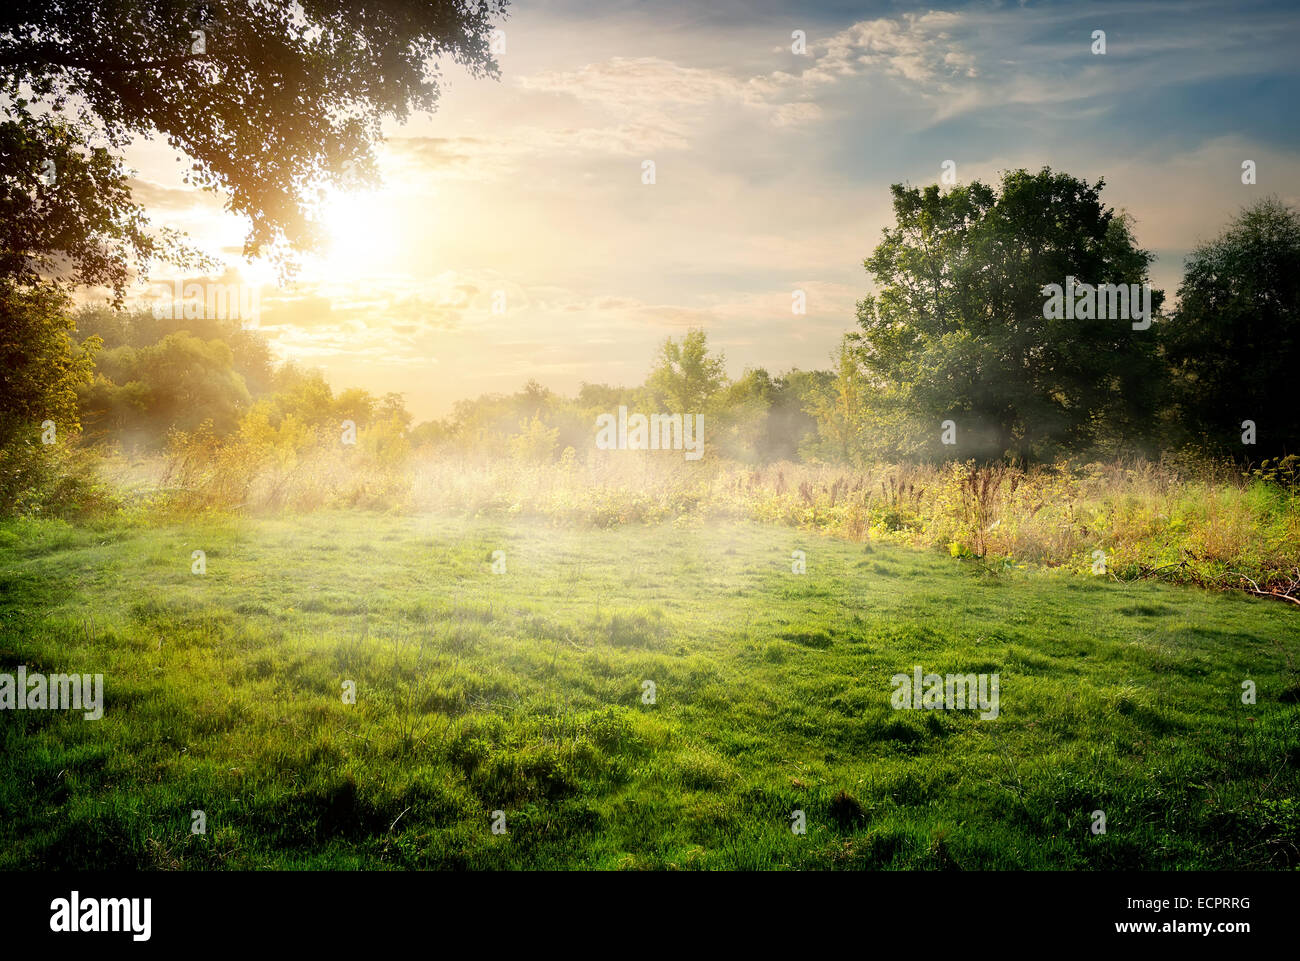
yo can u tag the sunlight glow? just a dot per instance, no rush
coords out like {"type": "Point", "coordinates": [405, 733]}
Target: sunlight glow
{"type": "Point", "coordinates": [366, 230]}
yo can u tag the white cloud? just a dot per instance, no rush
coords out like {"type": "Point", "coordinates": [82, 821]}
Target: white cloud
{"type": "Point", "coordinates": [917, 48]}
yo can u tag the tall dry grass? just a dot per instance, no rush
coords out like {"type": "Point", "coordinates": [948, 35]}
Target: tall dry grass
{"type": "Point", "coordinates": [1203, 523]}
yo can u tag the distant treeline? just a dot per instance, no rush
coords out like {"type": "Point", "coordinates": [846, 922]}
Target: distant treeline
{"type": "Point", "coordinates": [156, 379]}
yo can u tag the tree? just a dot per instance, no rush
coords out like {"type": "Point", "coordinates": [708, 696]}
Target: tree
{"type": "Point", "coordinates": [1234, 341]}
{"type": "Point", "coordinates": [740, 411]}
{"type": "Point", "coordinates": [392, 408]}
{"type": "Point", "coordinates": [41, 365]}
{"type": "Point", "coordinates": [759, 418]}
{"type": "Point", "coordinates": [41, 369]}
{"type": "Point", "coordinates": [840, 403]}
{"type": "Point", "coordinates": [355, 404]}
{"type": "Point", "coordinates": [791, 424]}
{"type": "Point", "coordinates": [66, 213]}
{"type": "Point", "coordinates": [267, 100]}
{"type": "Point", "coordinates": [959, 330]}
{"type": "Point", "coordinates": [180, 382]}
{"type": "Point", "coordinates": [140, 328]}
{"type": "Point", "coordinates": [686, 378]}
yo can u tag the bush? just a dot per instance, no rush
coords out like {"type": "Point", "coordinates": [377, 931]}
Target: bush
{"type": "Point", "coordinates": [56, 479]}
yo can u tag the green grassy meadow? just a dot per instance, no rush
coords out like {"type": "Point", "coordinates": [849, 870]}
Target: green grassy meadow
{"type": "Point", "coordinates": [522, 692]}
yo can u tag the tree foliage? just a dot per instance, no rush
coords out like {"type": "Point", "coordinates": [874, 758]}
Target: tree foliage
{"type": "Point", "coordinates": [957, 329]}
{"type": "Point", "coordinates": [686, 377]}
{"type": "Point", "coordinates": [1234, 342]}
{"type": "Point", "coordinates": [267, 101]}
{"type": "Point", "coordinates": [42, 368]}
{"type": "Point", "coordinates": [42, 365]}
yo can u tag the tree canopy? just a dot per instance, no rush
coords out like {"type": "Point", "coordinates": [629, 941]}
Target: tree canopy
{"type": "Point", "coordinates": [958, 329]}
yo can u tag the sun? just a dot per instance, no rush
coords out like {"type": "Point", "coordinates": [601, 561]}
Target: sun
{"type": "Point", "coordinates": [365, 232]}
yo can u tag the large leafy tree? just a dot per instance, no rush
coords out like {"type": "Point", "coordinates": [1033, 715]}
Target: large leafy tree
{"type": "Point", "coordinates": [957, 329]}
{"type": "Point", "coordinates": [267, 101]}
{"type": "Point", "coordinates": [1234, 341]}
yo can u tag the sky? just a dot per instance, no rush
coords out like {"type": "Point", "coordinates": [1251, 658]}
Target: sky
{"type": "Point", "coordinates": [514, 239]}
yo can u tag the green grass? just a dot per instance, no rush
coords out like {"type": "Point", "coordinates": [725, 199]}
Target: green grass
{"type": "Point", "coordinates": [522, 692]}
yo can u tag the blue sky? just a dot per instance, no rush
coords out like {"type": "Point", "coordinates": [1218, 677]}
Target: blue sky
{"type": "Point", "coordinates": [772, 173]}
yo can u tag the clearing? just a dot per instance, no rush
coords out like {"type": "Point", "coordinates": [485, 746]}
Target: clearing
{"type": "Point", "coordinates": [523, 692]}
